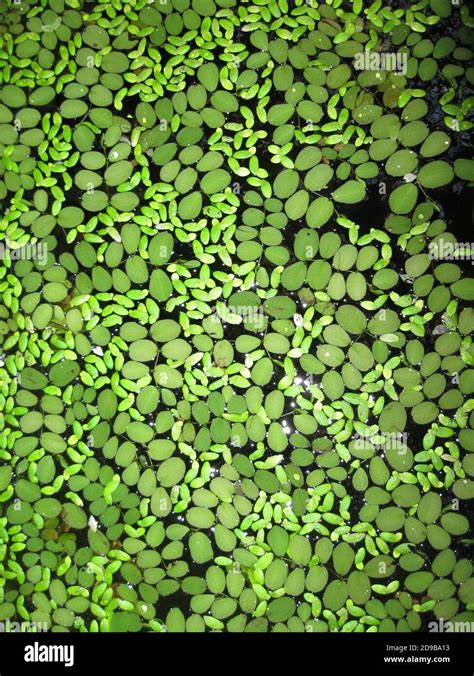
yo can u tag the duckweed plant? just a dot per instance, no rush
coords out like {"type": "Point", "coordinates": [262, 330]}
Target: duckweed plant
{"type": "Point", "coordinates": [235, 328]}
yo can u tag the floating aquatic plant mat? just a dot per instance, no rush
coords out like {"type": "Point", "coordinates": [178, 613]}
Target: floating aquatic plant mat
{"type": "Point", "coordinates": [235, 326]}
